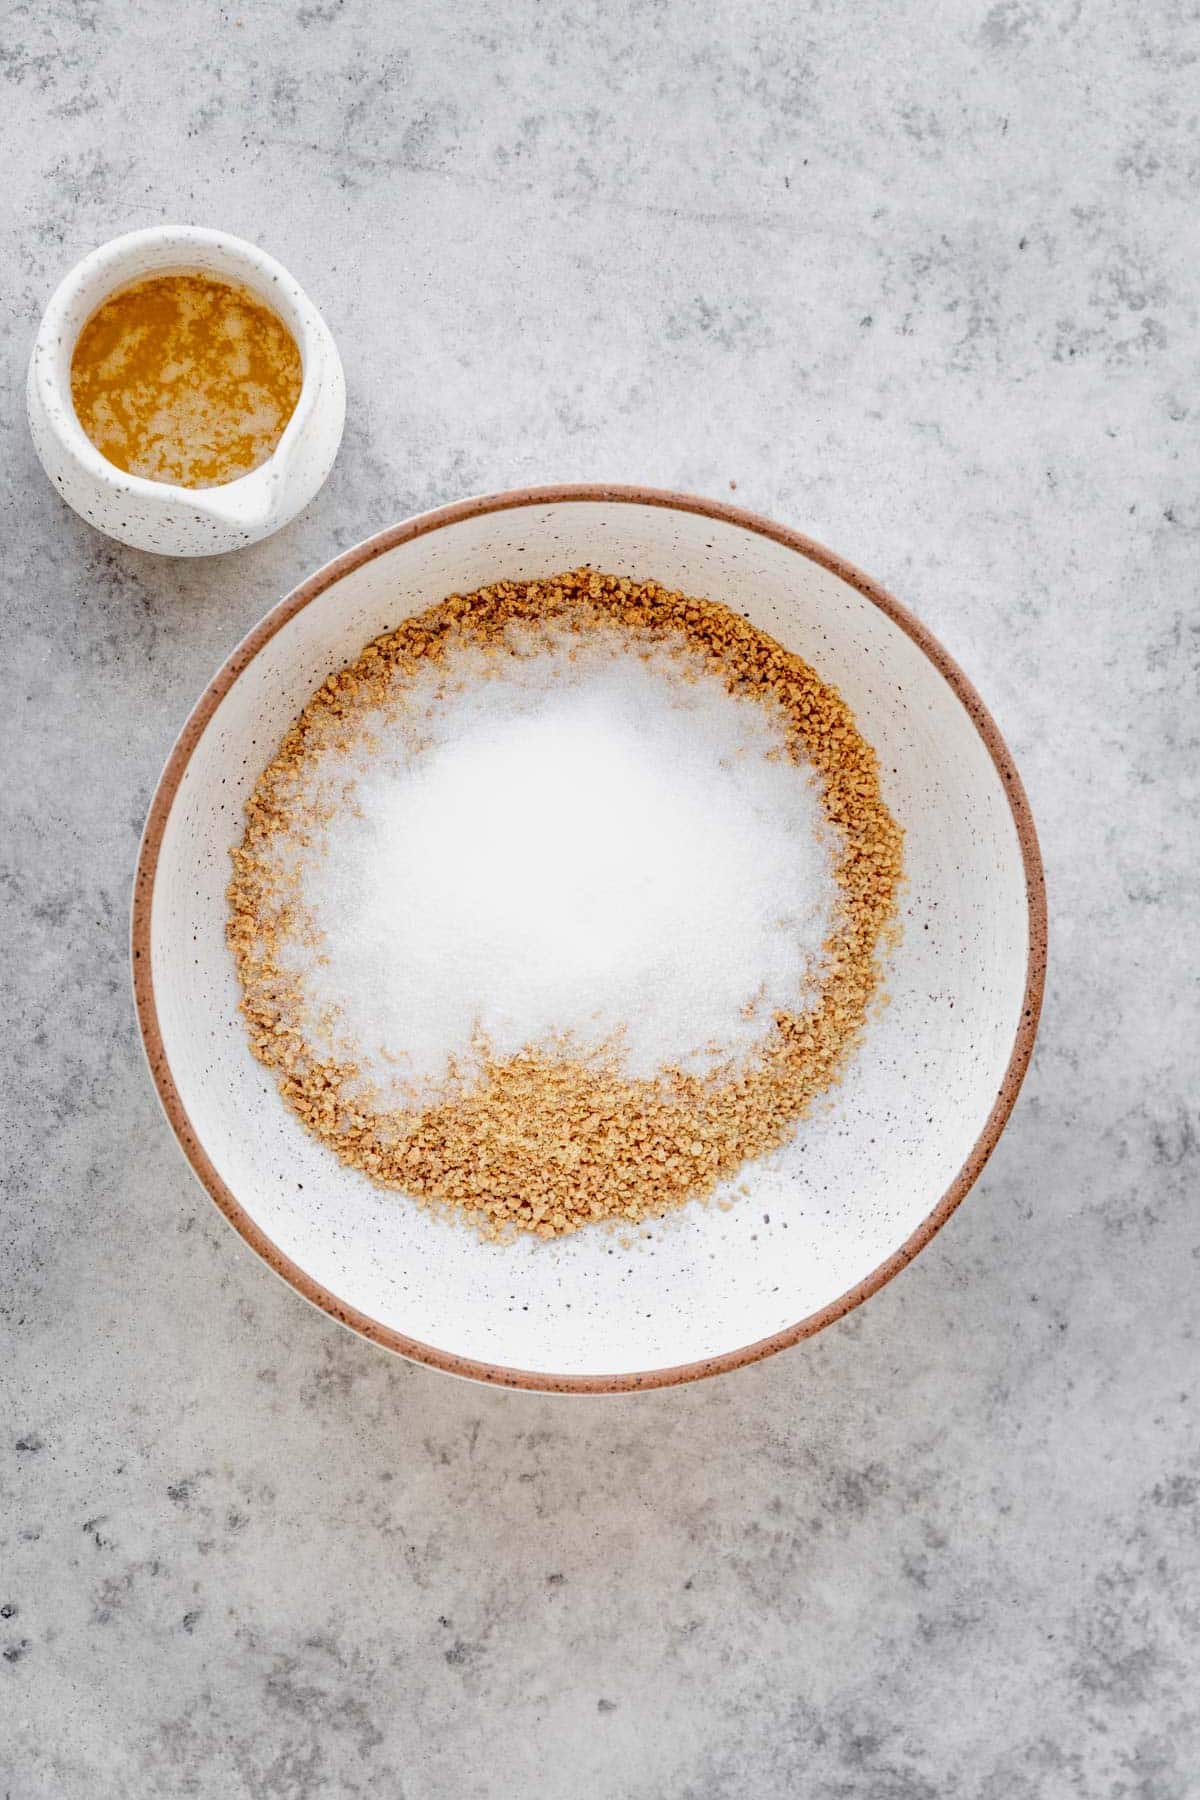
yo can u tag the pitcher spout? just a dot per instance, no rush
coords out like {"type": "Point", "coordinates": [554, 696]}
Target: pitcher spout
{"type": "Point", "coordinates": [242, 505]}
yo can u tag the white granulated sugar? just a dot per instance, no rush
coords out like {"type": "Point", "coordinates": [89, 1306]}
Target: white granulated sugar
{"type": "Point", "coordinates": [587, 843]}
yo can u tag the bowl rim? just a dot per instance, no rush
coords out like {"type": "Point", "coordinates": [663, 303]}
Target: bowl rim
{"type": "Point", "coordinates": [143, 975]}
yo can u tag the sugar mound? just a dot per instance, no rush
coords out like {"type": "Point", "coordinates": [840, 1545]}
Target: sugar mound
{"type": "Point", "coordinates": [583, 840]}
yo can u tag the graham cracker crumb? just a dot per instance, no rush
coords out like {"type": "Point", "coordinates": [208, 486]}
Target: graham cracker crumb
{"type": "Point", "coordinates": [544, 1142]}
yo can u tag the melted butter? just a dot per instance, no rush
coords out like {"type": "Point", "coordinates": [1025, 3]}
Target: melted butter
{"type": "Point", "coordinates": [185, 379]}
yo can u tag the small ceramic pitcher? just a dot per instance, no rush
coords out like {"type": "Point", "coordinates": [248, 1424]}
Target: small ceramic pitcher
{"type": "Point", "coordinates": [155, 515]}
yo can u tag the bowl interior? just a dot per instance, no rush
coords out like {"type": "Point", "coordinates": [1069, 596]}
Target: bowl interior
{"type": "Point", "coordinates": [822, 1214]}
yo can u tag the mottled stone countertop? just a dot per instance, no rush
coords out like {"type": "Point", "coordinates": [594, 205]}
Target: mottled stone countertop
{"type": "Point", "coordinates": [921, 280]}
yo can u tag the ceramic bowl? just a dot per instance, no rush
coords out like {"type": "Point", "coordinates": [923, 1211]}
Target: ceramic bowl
{"type": "Point", "coordinates": [871, 1174]}
{"type": "Point", "coordinates": [157, 515]}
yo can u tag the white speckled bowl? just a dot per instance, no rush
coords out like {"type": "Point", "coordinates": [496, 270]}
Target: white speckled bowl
{"type": "Point", "coordinates": [869, 1178]}
{"type": "Point", "coordinates": [157, 515]}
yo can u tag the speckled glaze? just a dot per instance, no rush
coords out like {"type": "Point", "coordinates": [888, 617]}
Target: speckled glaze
{"type": "Point", "coordinates": [827, 1219]}
{"type": "Point", "coordinates": [153, 515]}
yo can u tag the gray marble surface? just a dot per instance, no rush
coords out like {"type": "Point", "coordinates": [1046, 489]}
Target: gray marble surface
{"type": "Point", "coordinates": [920, 280]}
